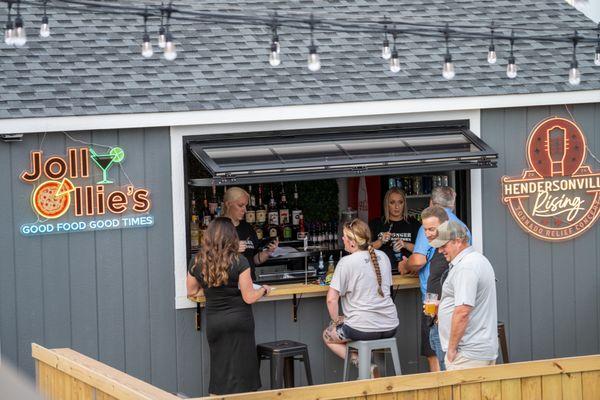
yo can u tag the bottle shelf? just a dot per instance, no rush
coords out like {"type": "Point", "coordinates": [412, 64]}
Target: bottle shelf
{"type": "Point", "coordinates": [418, 196]}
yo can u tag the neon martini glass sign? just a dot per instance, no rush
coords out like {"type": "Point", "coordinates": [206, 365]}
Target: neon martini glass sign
{"type": "Point", "coordinates": [105, 161]}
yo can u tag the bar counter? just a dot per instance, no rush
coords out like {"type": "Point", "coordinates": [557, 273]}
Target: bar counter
{"type": "Point", "coordinates": [291, 290]}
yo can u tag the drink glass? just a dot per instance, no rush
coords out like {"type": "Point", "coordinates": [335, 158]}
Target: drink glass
{"type": "Point", "coordinates": [431, 304]}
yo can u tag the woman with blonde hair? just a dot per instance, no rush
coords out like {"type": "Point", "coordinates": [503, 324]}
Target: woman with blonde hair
{"type": "Point", "coordinates": [395, 232]}
{"type": "Point", "coordinates": [235, 201]}
{"type": "Point", "coordinates": [362, 280]}
{"type": "Point", "coordinates": [223, 275]}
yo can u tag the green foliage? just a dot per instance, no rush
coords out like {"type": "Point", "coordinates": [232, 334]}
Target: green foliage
{"type": "Point", "coordinates": [318, 199]}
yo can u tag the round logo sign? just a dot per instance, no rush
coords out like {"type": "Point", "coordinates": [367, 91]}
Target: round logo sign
{"type": "Point", "coordinates": [558, 197]}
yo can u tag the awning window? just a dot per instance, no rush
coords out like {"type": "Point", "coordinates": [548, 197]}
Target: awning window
{"type": "Point", "coordinates": [330, 153]}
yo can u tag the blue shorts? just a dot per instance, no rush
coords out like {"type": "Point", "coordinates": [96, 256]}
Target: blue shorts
{"type": "Point", "coordinates": [347, 333]}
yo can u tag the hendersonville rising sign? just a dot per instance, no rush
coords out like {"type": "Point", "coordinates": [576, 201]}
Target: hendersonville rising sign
{"type": "Point", "coordinates": [557, 198]}
{"type": "Point", "coordinates": [59, 182]}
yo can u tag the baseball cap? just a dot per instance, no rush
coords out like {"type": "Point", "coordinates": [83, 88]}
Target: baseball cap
{"type": "Point", "coordinates": [448, 231]}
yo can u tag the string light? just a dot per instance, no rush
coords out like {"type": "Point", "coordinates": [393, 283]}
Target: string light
{"type": "Point", "coordinates": [9, 31]}
{"type": "Point", "coordinates": [386, 54]}
{"type": "Point", "coordinates": [170, 53]}
{"type": "Point", "coordinates": [448, 68]}
{"type": "Point", "coordinates": [314, 62]}
{"type": "Point", "coordinates": [162, 40]}
{"type": "Point", "coordinates": [15, 34]}
{"type": "Point", "coordinates": [511, 68]}
{"type": "Point", "coordinates": [491, 57]}
{"type": "Point", "coordinates": [146, 45]}
{"type": "Point", "coordinates": [394, 59]}
{"type": "Point", "coordinates": [574, 74]}
{"type": "Point", "coordinates": [275, 49]}
{"type": "Point", "coordinates": [45, 28]}
{"type": "Point", "coordinates": [19, 36]}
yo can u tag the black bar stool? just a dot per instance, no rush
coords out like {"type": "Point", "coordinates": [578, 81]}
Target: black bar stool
{"type": "Point", "coordinates": [503, 343]}
{"type": "Point", "coordinates": [282, 354]}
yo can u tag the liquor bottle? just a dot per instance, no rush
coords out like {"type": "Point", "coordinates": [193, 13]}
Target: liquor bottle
{"type": "Point", "coordinates": [205, 212]}
{"type": "Point", "coordinates": [296, 211]}
{"type": "Point", "coordinates": [261, 216]}
{"type": "Point", "coordinates": [251, 210]}
{"type": "Point", "coordinates": [213, 203]}
{"type": "Point", "coordinates": [330, 270]}
{"type": "Point", "coordinates": [301, 234]}
{"type": "Point", "coordinates": [194, 233]}
{"type": "Point", "coordinates": [220, 201]}
{"type": "Point", "coordinates": [284, 211]}
{"type": "Point", "coordinates": [193, 208]}
{"type": "Point", "coordinates": [204, 224]}
{"type": "Point", "coordinates": [320, 241]}
{"type": "Point", "coordinates": [273, 216]}
{"type": "Point", "coordinates": [321, 271]}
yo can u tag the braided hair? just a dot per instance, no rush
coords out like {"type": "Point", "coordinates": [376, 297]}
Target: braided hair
{"type": "Point", "coordinates": [359, 231]}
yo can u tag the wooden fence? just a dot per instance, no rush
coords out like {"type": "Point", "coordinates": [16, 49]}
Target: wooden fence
{"type": "Point", "coordinates": [66, 374]}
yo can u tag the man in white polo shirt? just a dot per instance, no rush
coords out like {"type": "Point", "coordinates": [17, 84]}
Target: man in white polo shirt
{"type": "Point", "coordinates": [467, 312]}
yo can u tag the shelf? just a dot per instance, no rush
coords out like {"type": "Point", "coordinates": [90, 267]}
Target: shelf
{"type": "Point", "coordinates": [418, 196]}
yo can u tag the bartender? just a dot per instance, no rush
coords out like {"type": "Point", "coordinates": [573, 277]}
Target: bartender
{"type": "Point", "coordinates": [395, 232]}
{"type": "Point", "coordinates": [235, 201]}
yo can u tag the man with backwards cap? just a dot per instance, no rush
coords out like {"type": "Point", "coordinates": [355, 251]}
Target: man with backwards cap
{"type": "Point", "coordinates": [467, 314]}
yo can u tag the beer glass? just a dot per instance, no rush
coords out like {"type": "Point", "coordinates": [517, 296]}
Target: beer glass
{"type": "Point", "coordinates": [431, 304]}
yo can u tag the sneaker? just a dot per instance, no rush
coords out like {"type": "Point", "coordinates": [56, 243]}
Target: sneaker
{"type": "Point", "coordinates": [375, 371]}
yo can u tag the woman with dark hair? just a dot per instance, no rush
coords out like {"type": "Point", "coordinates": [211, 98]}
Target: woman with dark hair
{"type": "Point", "coordinates": [224, 275]}
{"type": "Point", "coordinates": [362, 280]}
{"type": "Point", "coordinates": [395, 232]}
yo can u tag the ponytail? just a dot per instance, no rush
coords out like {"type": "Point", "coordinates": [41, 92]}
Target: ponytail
{"type": "Point", "coordinates": [376, 267]}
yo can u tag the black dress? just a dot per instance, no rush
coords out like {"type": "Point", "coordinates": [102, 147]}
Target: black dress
{"type": "Point", "coordinates": [230, 334]}
{"type": "Point", "coordinates": [247, 233]}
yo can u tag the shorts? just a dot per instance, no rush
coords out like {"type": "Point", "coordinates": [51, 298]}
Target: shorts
{"type": "Point", "coordinates": [426, 349]}
{"type": "Point", "coordinates": [347, 333]}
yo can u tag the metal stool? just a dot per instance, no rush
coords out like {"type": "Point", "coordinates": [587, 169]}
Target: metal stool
{"type": "Point", "coordinates": [503, 343]}
{"type": "Point", "coordinates": [282, 354]}
{"type": "Point", "coordinates": [365, 349]}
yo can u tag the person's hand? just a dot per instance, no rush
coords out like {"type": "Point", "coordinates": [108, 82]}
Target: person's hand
{"type": "Point", "coordinates": [272, 246]}
{"type": "Point", "coordinates": [242, 246]}
{"type": "Point", "coordinates": [451, 354]}
{"type": "Point", "coordinates": [403, 266]}
{"type": "Point", "coordinates": [267, 289]}
{"type": "Point", "coordinates": [398, 245]}
{"type": "Point", "coordinates": [385, 237]}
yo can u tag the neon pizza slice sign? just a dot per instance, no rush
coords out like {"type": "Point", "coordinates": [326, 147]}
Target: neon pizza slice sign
{"type": "Point", "coordinates": [557, 198]}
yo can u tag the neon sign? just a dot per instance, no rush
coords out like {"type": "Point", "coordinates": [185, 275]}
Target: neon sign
{"type": "Point", "coordinates": [53, 197]}
{"type": "Point", "coordinates": [558, 197]}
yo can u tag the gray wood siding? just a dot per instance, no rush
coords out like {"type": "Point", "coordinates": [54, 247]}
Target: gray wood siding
{"type": "Point", "coordinates": [107, 294]}
{"type": "Point", "coordinates": [547, 293]}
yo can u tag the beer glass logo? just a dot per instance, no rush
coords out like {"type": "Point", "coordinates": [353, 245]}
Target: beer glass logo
{"type": "Point", "coordinates": [558, 197]}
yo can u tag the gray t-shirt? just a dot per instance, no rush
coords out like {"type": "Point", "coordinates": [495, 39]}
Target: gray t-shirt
{"type": "Point", "coordinates": [471, 282]}
{"type": "Point", "coordinates": [355, 280]}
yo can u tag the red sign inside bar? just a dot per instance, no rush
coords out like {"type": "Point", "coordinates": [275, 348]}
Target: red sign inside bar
{"type": "Point", "coordinates": [558, 197]}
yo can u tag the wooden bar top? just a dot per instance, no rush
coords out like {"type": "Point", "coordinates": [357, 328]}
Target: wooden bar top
{"type": "Point", "coordinates": [286, 290]}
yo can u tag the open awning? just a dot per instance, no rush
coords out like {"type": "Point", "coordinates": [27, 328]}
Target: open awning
{"type": "Point", "coordinates": [339, 152]}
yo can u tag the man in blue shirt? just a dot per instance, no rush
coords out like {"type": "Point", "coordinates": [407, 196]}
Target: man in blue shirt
{"type": "Point", "coordinates": [419, 261]}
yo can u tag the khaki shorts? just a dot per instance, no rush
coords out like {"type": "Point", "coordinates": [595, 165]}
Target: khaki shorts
{"type": "Point", "coordinates": [462, 362]}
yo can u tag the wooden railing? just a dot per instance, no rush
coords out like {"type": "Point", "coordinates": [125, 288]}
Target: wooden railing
{"type": "Point", "coordinates": [64, 373]}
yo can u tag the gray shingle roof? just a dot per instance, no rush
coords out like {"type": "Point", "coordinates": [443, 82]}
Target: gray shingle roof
{"type": "Point", "coordinates": [91, 63]}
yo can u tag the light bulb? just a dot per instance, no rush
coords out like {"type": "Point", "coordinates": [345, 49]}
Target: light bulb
{"type": "Point", "coordinates": [274, 58]}
{"type": "Point", "coordinates": [275, 41]}
{"type": "Point", "coordinates": [147, 46]}
{"type": "Point", "coordinates": [386, 53]}
{"type": "Point", "coordinates": [44, 28]}
{"type": "Point", "coordinates": [9, 34]}
{"type": "Point", "coordinates": [314, 63]}
{"type": "Point", "coordinates": [448, 68]}
{"type": "Point", "coordinates": [170, 54]}
{"type": "Point", "coordinates": [162, 39]}
{"type": "Point", "coordinates": [492, 58]}
{"type": "Point", "coordinates": [511, 69]}
{"type": "Point", "coordinates": [394, 62]}
{"type": "Point", "coordinates": [597, 56]}
{"type": "Point", "coordinates": [19, 34]}
{"type": "Point", "coordinates": [574, 74]}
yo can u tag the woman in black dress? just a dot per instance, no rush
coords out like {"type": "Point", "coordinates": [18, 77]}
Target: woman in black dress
{"type": "Point", "coordinates": [224, 276]}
